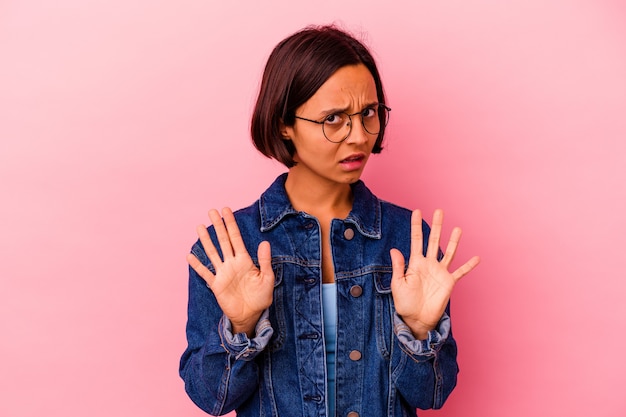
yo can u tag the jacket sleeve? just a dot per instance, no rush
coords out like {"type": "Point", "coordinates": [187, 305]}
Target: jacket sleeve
{"type": "Point", "coordinates": [218, 367]}
{"type": "Point", "coordinates": [432, 362]}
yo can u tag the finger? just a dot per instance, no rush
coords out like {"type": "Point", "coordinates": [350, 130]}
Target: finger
{"type": "Point", "coordinates": [397, 268]}
{"type": "Point", "coordinates": [222, 234]}
{"type": "Point", "coordinates": [264, 255]}
{"type": "Point", "coordinates": [465, 268]}
{"type": "Point", "coordinates": [453, 243]}
{"type": "Point", "coordinates": [435, 234]}
{"type": "Point", "coordinates": [202, 270]}
{"type": "Point", "coordinates": [234, 234]}
{"type": "Point", "coordinates": [417, 236]}
{"type": "Point", "coordinates": [207, 244]}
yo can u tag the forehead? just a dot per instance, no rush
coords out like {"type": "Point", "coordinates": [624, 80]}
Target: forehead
{"type": "Point", "coordinates": [350, 87]}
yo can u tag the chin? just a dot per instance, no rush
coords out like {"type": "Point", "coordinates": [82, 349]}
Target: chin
{"type": "Point", "coordinates": [351, 179]}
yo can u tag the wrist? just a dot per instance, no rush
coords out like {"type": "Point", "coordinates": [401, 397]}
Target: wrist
{"type": "Point", "coordinates": [419, 329]}
{"type": "Point", "coordinates": [246, 326]}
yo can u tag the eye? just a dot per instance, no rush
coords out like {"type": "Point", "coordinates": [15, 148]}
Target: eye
{"type": "Point", "coordinates": [369, 112]}
{"type": "Point", "coordinates": [335, 119]}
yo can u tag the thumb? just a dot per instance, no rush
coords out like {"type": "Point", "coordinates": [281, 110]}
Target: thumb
{"type": "Point", "coordinates": [397, 267]}
{"type": "Point", "coordinates": [264, 255]}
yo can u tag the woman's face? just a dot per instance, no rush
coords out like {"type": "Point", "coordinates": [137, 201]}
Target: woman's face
{"type": "Point", "coordinates": [351, 89]}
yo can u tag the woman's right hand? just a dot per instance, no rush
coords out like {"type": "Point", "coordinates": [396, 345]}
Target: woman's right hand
{"type": "Point", "coordinates": [242, 290]}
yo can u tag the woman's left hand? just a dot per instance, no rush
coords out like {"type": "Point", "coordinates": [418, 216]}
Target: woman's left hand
{"type": "Point", "coordinates": [421, 293]}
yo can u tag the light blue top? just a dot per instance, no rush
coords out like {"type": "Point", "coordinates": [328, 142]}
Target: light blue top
{"type": "Point", "coordinates": [329, 304]}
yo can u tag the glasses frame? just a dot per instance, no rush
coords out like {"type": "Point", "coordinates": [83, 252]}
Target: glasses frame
{"type": "Point", "coordinates": [387, 109]}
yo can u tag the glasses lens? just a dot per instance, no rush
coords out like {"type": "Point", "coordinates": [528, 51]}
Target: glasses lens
{"type": "Point", "coordinates": [375, 117]}
{"type": "Point", "coordinates": [337, 127]}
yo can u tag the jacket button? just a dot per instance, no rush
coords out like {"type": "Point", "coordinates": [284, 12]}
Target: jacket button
{"type": "Point", "coordinates": [356, 291]}
{"type": "Point", "coordinates": [353, 414]}
{"type": "Point", "coordinates": [348, 234]}
{"type": "Point", "coordinates": [355, 355]}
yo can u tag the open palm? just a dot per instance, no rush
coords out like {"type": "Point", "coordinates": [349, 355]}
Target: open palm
{"type": "Point", "coordinates": [421, 293]}
{"type": "Point", "coordinates": [242, 290]}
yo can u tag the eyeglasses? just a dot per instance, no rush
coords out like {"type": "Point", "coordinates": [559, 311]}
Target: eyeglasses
{"type": "Point", "coordinates": [338, 126]}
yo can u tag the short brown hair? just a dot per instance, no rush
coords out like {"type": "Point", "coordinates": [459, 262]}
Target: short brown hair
{"type": "Point", "coordinates": [295, 70]}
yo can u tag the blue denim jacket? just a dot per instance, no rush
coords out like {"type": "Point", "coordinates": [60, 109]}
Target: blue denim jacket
{"type": "Point", "coordinates": [381, 369]}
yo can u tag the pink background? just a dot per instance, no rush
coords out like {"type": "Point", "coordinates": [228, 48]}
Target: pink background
{"type": "Point", "coordinates": [122, 122]}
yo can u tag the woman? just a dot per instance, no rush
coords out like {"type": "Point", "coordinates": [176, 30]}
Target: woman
{"type": "Point", "coordinates": [302, 304]}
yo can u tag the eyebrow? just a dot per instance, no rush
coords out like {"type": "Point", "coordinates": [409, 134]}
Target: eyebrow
{"type": "Point", "coordinates": [324, 113]}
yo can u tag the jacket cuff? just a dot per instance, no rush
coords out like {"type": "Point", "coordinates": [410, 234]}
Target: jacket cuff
{"type": "Point", "coordinates": [425, 348]}
{"type": "Point", "coordinates": [240, 345]}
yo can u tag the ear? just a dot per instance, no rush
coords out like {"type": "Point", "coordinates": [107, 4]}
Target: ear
{"type": "Point", "coordinates": [286, 132]}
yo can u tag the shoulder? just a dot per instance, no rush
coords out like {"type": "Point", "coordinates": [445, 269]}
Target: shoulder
{"type": "Point", "coordinates": [364, 196]}
{"type": "Point", "coordinates": [392, 209]}
{"type": "Point", "coordinates": [396, 217]}
{"type": "Point", "coordinates": [390, 212]}
{"type": "Point", "coordinates": [396, 222]}
{"type": "Point", "coordinates": [248, 217]}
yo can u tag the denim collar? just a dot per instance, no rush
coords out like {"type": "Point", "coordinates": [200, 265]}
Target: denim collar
{"type": "Point", "coordinates": [274, 206]}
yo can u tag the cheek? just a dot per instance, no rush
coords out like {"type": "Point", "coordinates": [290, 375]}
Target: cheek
{"type": "Point", "coordinates": [309, 143]}
{"type": "Point", "coordinates": [314, 153]}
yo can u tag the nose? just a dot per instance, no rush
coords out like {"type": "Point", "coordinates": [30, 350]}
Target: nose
{"type": "Point", "coordinates": [358, 134]}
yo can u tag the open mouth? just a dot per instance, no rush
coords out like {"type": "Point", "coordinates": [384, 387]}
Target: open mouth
{"type": "Point", "coordinates": [353, 158]}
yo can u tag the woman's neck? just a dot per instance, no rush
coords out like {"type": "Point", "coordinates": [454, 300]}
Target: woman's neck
{"type": "Point", "coordinates": [322, 199]}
